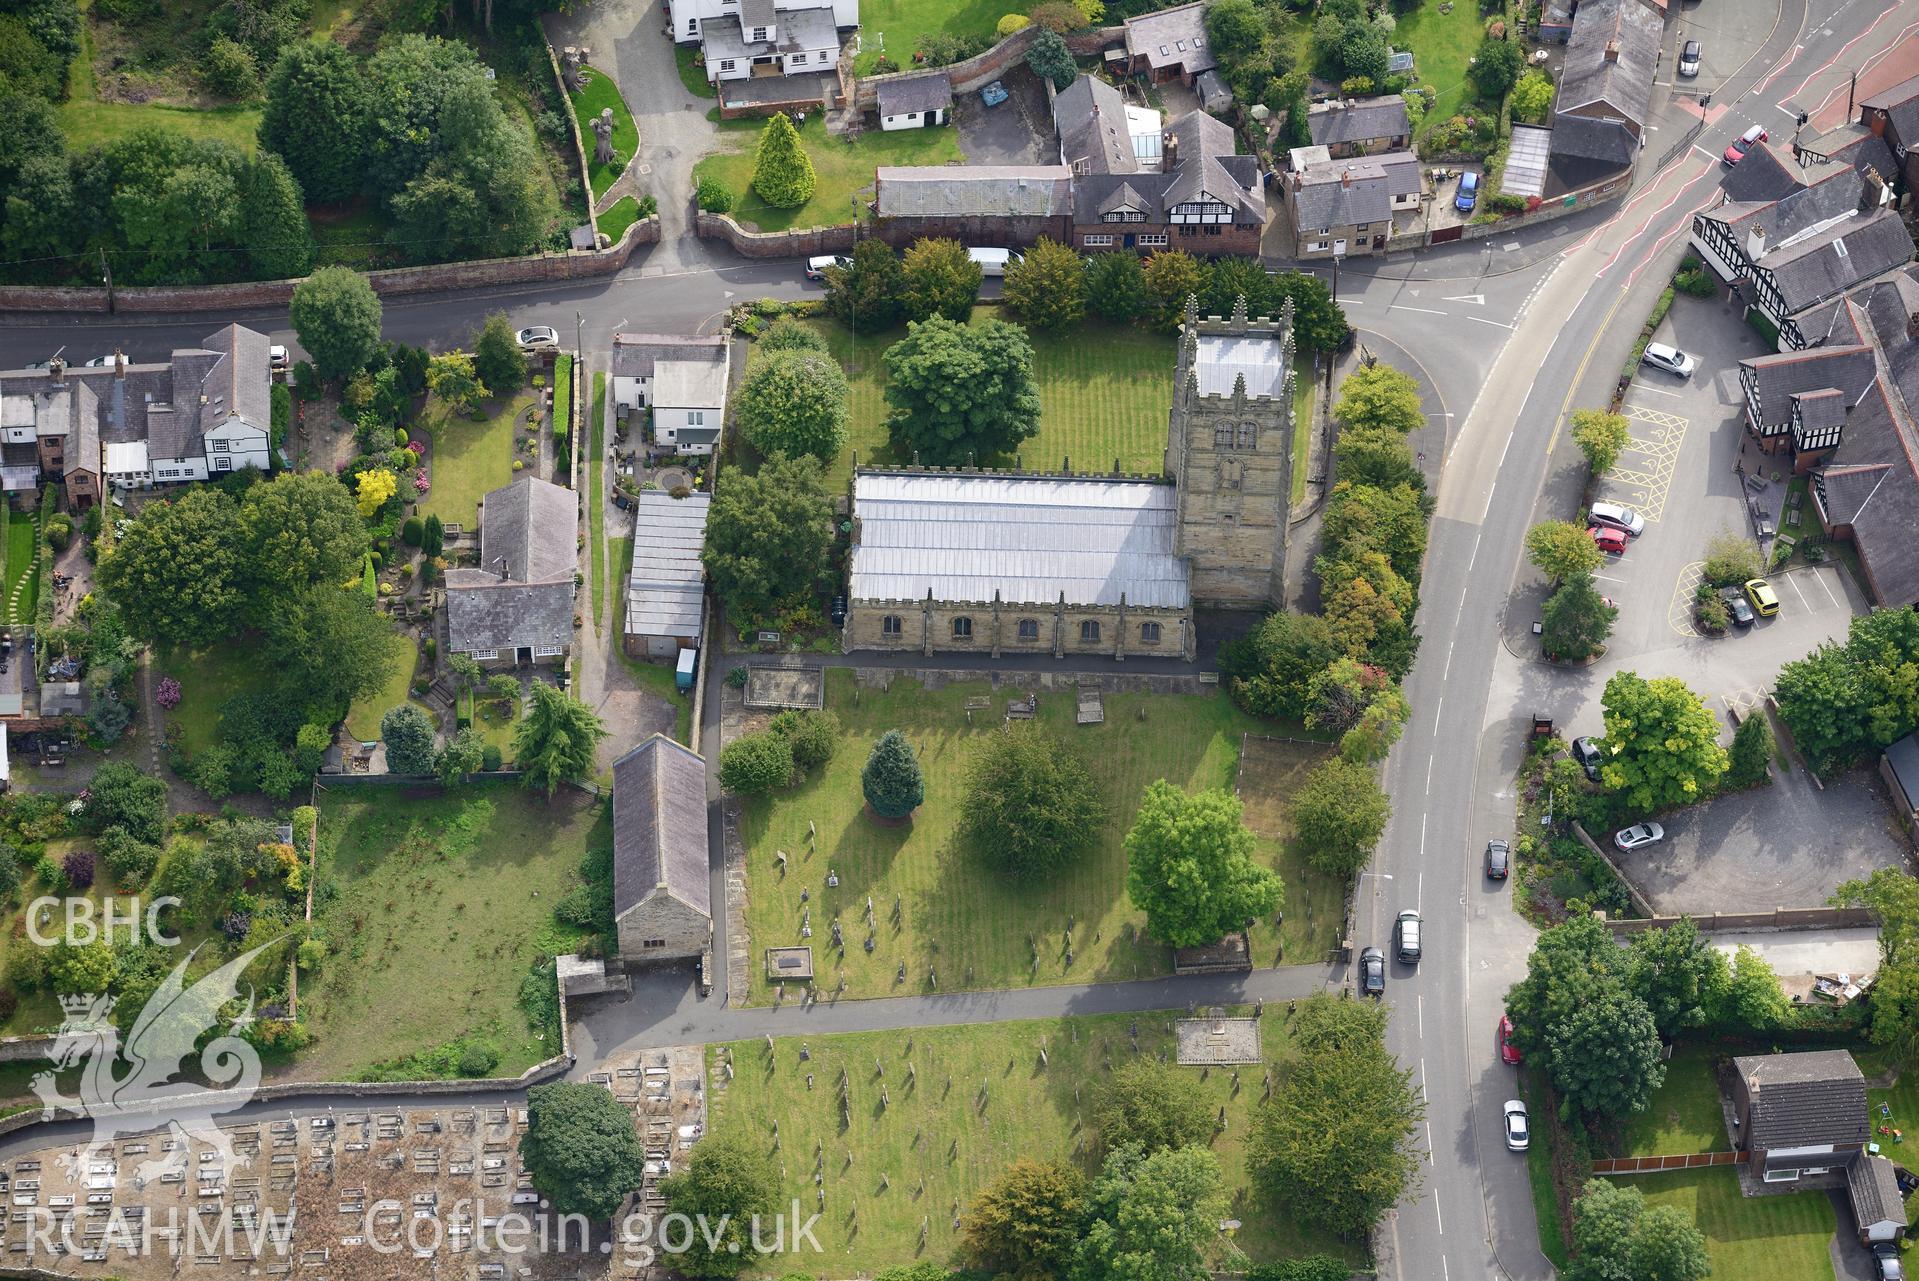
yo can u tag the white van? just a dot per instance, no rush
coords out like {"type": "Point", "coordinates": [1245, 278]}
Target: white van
{"type": "Point", "coordinates": [1618, 517]}
{"type": "Point", "coordinates": [993, 262]}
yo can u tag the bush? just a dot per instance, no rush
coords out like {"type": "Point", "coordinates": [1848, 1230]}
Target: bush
{"type": "Point", "coordinates": [477, 1058]}
{"type": "Point", "coordinates": [78, 868]}
{"type": "Point", "coordinates": [413, 531]}
{"type": "Point", "coordinates": [130, 861]}
{"type": "Point", "coordinates": [1500, 202]}
{"type": "Point", "coordinates": [60, 532]}
{"type": "Point", "coordinates": [1356, 86]}
{"type": "Point", "coordinates": [755, 764]}
{"type": "Point", "coordinates": [1010, 23]}
{"type": "Point", "coordinates": [812, 737]}
{"type": "Point", "coordinates": [230, 70]}
{"type": "Point", "coordinates": [714, 197]}
{"type": "Point", "coordinates": [490, 758]}
{"type": "Point", "coordinates": [1751, 752]}
{"type": "Point", "coordinates": [1731, 559]}
{"type": "Point", "coordinates": [1710, 613]}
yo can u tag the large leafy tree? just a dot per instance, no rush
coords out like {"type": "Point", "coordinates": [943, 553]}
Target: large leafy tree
{"type": "Point", "coordinates": [1030, 805]}
{"type": "Point", "coordinates": [1746, 994]}
{"type": "Point", "coordinates": [581, 1149]}
{"type": "Point", "coordinates": [1377, 395]}
{"type": "Point", "coordinates": [1190, 867]}
{"type": "Point", "coordinates": [1616, 1237]}
{"type": "Point", "coordinates": [728, 1182]}
{"type": "Point", "coordinates": [1171, 277]}
{"type": "Point", "coordinates": [1335, 1146]}
{"type": "Point", "coordinates": [1604, 1056]}
{"type": "Point", "coordinates": [1376, 456]}
{"type": "Point", "coordinates": [1319, 324]}
{"type": "Point", "coordinates": [1338, 815]}
{"type": "Point", "coordinates": [556, 740]}
{"type": "Point", "coordinates": [1576, 620]}
{"type": "Point", "coordinates": [1269, 671]}
{"type": "Point", "coordinates": [783, 173]}
{"type": "Point", "coordinates": [1047, 287]}
{"type": "Point", "coordinates": [1116, 287]}
{"type": "Point", "coordinates": [867, 294]}
{"type": "Point", "coordinates": [409, 740]}
{"type": "Point", "coordinates": [1750, 756]}
{"type": "Point", "coordinates": [794, 402]}
{"type": "Point", "coordinates": [1050, 59]}
{"type": "Point", "coordinates": [482, 194]}
{"type": "Point", "coordinates": [497, 357]}
{"type": "Point", "coordinates": [891, 780]}
{"type": "Point", "coordinates": [1894, 895]}
{"type": "Point", "coordinates": [1674, 971]}
{"type": "Point", "coordinates": [1661, 744]}
{"type": "Point", "coordinates": [1151, 1217]}
{"type": "Point", "coordinates": [1390, 520]}
{"type": "Point", "coordinates": [1567, 965]}
{"type": "Point", "coordinates": [120, 795]}
{"type": "Point", "coordinates": [278, 237]}
{"type": "Point", "coordinates": [766, 536]}
{"type": "Point", "coordinates": [1237, 28]}
{"type": "Point", "coordinates": [1601, 435]}
{"type": "Point", "coordinates": [336, 315]}
{"type": "Point", "coordinates": [1150, 1106]}
{"type": "Point", "coordinates": [318, 103]}
{"type": "Point", "coordinates": [1496, 67]}
{"type": "Point", "coordinates": [411, 80]}
{"type": "Point", "coordinates": [327, 648]}
{"type": "Point", "coordinates": [1025, 1223]}
{"type": "Point", "coordinates": [960, 394]}
{"type": "Point", "coordinates": [1562, 549]}
{"type": "Point", "coordinates": [176, 572]}
{"type": "Point", "coordinates": [1824, 703]}
{"type": "Point", "coordinates": [295, 531]}
{"type": "Point", "coordinates": [939, 278]}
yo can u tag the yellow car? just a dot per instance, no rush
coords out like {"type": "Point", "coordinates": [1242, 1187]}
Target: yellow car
{"type": "Point", "coordinates": [1765, 601]}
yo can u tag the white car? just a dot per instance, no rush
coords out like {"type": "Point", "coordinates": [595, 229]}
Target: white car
{"type": "Point", "coordinates": [278, 357]}
{"type": "Point", "coordinates": [816, 267]}
{"type": "Point", "coordinates": [1670, 359]}
{"type": "Point", "coordinates": [1638, 836]}
{"type": "Point", "coordinates": [1517, 1136]}
{"type": "Point", "coordinates": [539, 338]}
{"type": "Point", "coordinates": [1625, 519]}
{"type": "Point", "coordinates": [1689, 56]}
{"type": "Point", "coordinates": [98, 362]}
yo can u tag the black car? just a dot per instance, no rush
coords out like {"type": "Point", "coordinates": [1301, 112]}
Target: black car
{"type": "Point", "coordinates": [1372, 972]}
{"type": "Point", "coordinates": [1738, 606]}
{"type": "Point", "coordinates": [1499, 860]}
{"type": "Point", "coordinates": [1586, 752]}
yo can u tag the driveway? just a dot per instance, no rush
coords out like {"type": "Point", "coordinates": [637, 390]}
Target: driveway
{"type": "Point", "coordinates": [1787, 845]}
{"type": "Point", "coordinates": [1017, 132]}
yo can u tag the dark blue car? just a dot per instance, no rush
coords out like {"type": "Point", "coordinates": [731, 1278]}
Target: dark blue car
{"type": "Point", "coordinates": [1468, 193]}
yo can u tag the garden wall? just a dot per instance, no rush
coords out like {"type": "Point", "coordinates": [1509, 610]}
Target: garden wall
{"type": "Point", "coordinates": [397, 281]}
{"type": "Point", "coordinates": [1780, 918]}
{"type": "Point", "coordinates": [795, 243]}
{"type": "Point", "coordinates": [999, 230]}
{"type": "Point", "coordinates": [1560, 206]}
{"type": "Point", "coordinates": [983, 68]}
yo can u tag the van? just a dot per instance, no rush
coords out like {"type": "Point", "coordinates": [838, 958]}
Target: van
{"type": "Point", "coordinates": [992, 262]}
{"type": "Point", "coordinates": [1619, 517]}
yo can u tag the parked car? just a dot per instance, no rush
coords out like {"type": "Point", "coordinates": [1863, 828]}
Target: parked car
{"type": "Point", "coordinates": [1468, 192]}
{"type": "Point", "coordinates": [1508, 1052]}
{"type": "Point", "coordinates": [1619, 516]}
{"type": "Point", "coordinates": [278, 357]}
{"type": "Point", "coordinates": [1372, 972]}
{"type": "Point", "coordinates": [1689, 55]}
{"type": "Point", "coordinates": [539, 338]}
{"type": "Point", "coordinates": [1742, 614]}
{"type": "Point", "coordinates": [816, 267]}
{"type": "Point", "coordinates": [1638, 836]}
{"type": "Point", "coordinates": [1886, 1262]}
{"type": "Point", "coordinates": [97, 362]}
{"type": "Point", "coordinates": [1670, 359]}
{"type": "Point", "coordinates": [1407, 928]}
{"type": "Point", "coordinates": [994, 94]}
{"type": "Point", "coordinates": [1499, 860]}
{"type": "Point", "coordinates": [1609, 540]}
{"type": "Point", "coordinates": [1586, 752]}
{"type": "Point", "coordinates": [1516, 1135]}
{"type": "Point", "coordinates": [1763, 597]}
{"type": "Point", "coordinates": [993, 262]}
{"type": "Point", "coordinates": [1744, 143]}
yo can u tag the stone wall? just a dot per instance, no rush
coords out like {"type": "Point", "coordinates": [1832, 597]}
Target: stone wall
{"type": "Point", "coordinates": [926, 627]}
{"type": "Point", "coordinates": [682, 931]}
{"type": "Point", "coordinates": [983, 68]}
{"type": "Point", "coordinates": [397, 281]}
{"type": "Point", "coordinates": [800, 242]}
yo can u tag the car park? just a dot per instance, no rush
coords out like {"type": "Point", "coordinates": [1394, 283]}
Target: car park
{"type": "Point", "coordinates": [1638, 836]}
{"type": "Point", "coordinates": [1508, 1052]}
{"type": "Point", "coordinates": [816, 267]}
{"type": "Point", "coordinates": [1517, 1136]}
{"type": "Point", "coordinates": [1689, 55]}
{"type": "Point", "coordinates": [1609, 540]}
{"type": "Point", "coordinates": [1586, 752]}
{"type": "Point", "coordinates": [1407, 930]}
{"type": "Point", "coordinates": [1670, 359]}
{"type": "Point", "coordinates": [539, 338]}
{"type": "Point", "coordinates": [1499, 860]}
{"type": "Point", "coordinates": [1764, 599]}
{"type": "Point", "coordinates": [1736, 605]}
{"type": "Point", "coordinates": [1744, 143]}
{"type": "Point", "coordinates": [1619, 516]}
{"type": "Point", "coordinates": [1372, 972]}
{"type": "Point", "coordinates": [1468, 192]}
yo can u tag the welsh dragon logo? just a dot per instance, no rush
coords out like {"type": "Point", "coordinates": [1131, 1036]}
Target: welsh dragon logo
{"type": "Point", "coordinates": [146, 1098]}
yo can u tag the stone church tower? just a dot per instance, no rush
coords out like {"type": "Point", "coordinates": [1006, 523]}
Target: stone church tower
{"type": "Point", "coordinates": [1229, 446]}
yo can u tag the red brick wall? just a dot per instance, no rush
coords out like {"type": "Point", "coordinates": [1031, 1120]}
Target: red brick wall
{"type": "Point", "coordinates": [796, 243]}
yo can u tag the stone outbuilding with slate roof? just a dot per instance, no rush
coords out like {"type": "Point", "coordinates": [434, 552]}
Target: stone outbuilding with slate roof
{"type": "Point", "coordinates": [1610, 62]}
{"type": "Point", "coordinates": [914, 102]}
{"type": "Point", "coordinates": [662, 884]}
{"type": "Point", "coordinates": [516, 608]}
{"type": "Point", "coordinates": [1002, 205]}
{"type": "Point", "coordinates": [1169, 44]}
{"type": "Point", "coordinates": [1360, 126]}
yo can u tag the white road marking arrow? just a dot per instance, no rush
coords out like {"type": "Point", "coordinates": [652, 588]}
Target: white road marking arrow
{"type": "Point", "coordinates": [1478, 300]}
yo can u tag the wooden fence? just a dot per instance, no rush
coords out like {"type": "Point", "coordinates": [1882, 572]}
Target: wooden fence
{"type": "Point", "coordinates": [1660, 1164]}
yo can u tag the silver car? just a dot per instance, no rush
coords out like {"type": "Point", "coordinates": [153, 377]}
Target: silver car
{"type": "Point", "coordinates": [1517, 1136]}
{"type": "Point", "coordinates": [1670, 359]}
{"type": "Point", "coordinates": [1638, 836]}
{"type": "Point", "coordinates": [539, 338]}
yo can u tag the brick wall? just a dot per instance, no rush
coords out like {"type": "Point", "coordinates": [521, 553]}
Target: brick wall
{"type": "Point", "coordinates": [533, 268]}
{"type": "Point", "coordinates": [984, 68]}
{"type": "Point", "coordinates": [797, 243]}
{"type": "Point", "coordinates": [976, 229]}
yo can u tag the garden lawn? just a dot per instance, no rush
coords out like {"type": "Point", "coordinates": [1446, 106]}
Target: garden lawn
{"type": "Point", "coordinates": [1303, 388]}
{"type": "Point", "coordinates": [22, 565]}
{"type": "Point", "coordinates": [939, 1133]}
{"type": "Point", "coordinates": [1442, 45]}
{"type": "Point", "coordinates": [845, 168]}
{"type": "Point", "coordinates": [208, 678]}
{"type": "Point", "coordinates": [961, 918]}
{"type": "Point", "coordinates": [445, 901]}
{"type": "Point", "coordinates": [496, 720]}
{"type": "Point", "coordinates": [692, 74]}
{"type": "Point", "coordinates": [469, 459]}
{"type": "Point", "coordinates": [898, 28]}
{"type": "Point", "coordinates": [595, 96]}
{"type": "Point", "coordinates": [1103, 394]}
{"type": "Point", "coordinates": [86, 121]}
{"type": "Point", "coordinates": [1684, 1117]}
{"type": "Point", "coordinates": [619, 215]}
{"type": "Point", "coordinates": [363, 718]}
{"type": "Point", "coordinates": [1270, 771]}
{"type": "Point", "coordinates": [1768, 1236]}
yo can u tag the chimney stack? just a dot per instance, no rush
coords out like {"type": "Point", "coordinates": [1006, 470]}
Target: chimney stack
{"type": "Point", "coordinates": [1872, 190]}
{"type": "Point", "coordinates": [57, 369]}
{"type": "Point", "coordinates": [1345, 177]}
{"type": "Point", "coordinates": [1755, 242]}
{"type": "Point", "coordinates": [119, 364]}
{"type": "Point", "coordinates": [1612, 51]}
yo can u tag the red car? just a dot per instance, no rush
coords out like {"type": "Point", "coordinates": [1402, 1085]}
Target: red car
{"type": "Point", "coordinates": [1608, 539]}
{"type": "Point", "coordinates": [1508, 1052]}
{"type": "Point", "coordinates": [1743, 143]}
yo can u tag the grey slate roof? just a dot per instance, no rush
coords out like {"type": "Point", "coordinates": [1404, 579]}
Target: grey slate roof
{"type": "Point", "coordinates": [485, 612]}
{"type": "Point", "coordinates": [1873, 1189]}
{"type": "Point", "coordinates": [1801, 209]}
{"type": "Point", "coordinates": [903, 95]}
{"type": "Point", "coordinates": [1901, 103]}
{"type": "Point", "coordinates": [1091, 118]}
{"type": "Point", "coordinates": [659, 827]}
{"type": "Point", "coordinates": [666, 587]}
{"type": "Point", "coordinates": [1358, 120]}
{"type": "Point", "coordinates": [1326, 198]}
{"type": "Point", "coordinates": [1903, 756]}
{"type": "Point", "coordinates": [1818, 410]}
{"type": "Point", "coordinates": [1762, 176]}
{"type": "Point", "coordinates": [1028, 539]}
{"type": "Point", "coordinates": [1173, 37]}
{"type": "Point", "coordinates": [1201, 160]}
{"type": "Point", "coordinates": [1607, 142]}
{"type": "Point", "coordinates": [1803, 1099]}
{"type": "Point", "coordinates": [635, 355]}
{"type": "Point", "coordinates": [534, 525]}
{"type": "Point", "coordinates": [798, 30]}
{"type": "Point", "coordinates": [959, 191]}
{"type": "Point", "coordinates": [1622, 83]}
{"type": "Point", "coordinates": [1848, 368]}
{"type": "Point", "coordinates": [1832, 261]}
{"type": "Point", "coordinates": [1214, 93]}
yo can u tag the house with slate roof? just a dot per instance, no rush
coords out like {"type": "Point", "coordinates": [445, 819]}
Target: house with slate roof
{"type": "Point", "coordinates": [662, 886]}
{"type": "Point", "coordinates": [1346, 207]}
{"type": "Point", "coordinates": [1893, 116]}
{"type": "Point", "coordinates": [1169, 44]}
{"type": "Point", "coordinates": [1605, 90]}
{"type": "Point", "coordinates": [516, 609]}
{"type": "Point", "coordinates": [759, 38]}
{"type": "Point", "coordinates": [1360, 126]}
{"type": "Point", "coordinates": [682, 379]}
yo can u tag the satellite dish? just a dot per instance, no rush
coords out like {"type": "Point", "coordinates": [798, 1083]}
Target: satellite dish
{"type": "Point", "coordinates": [1259, 111]}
